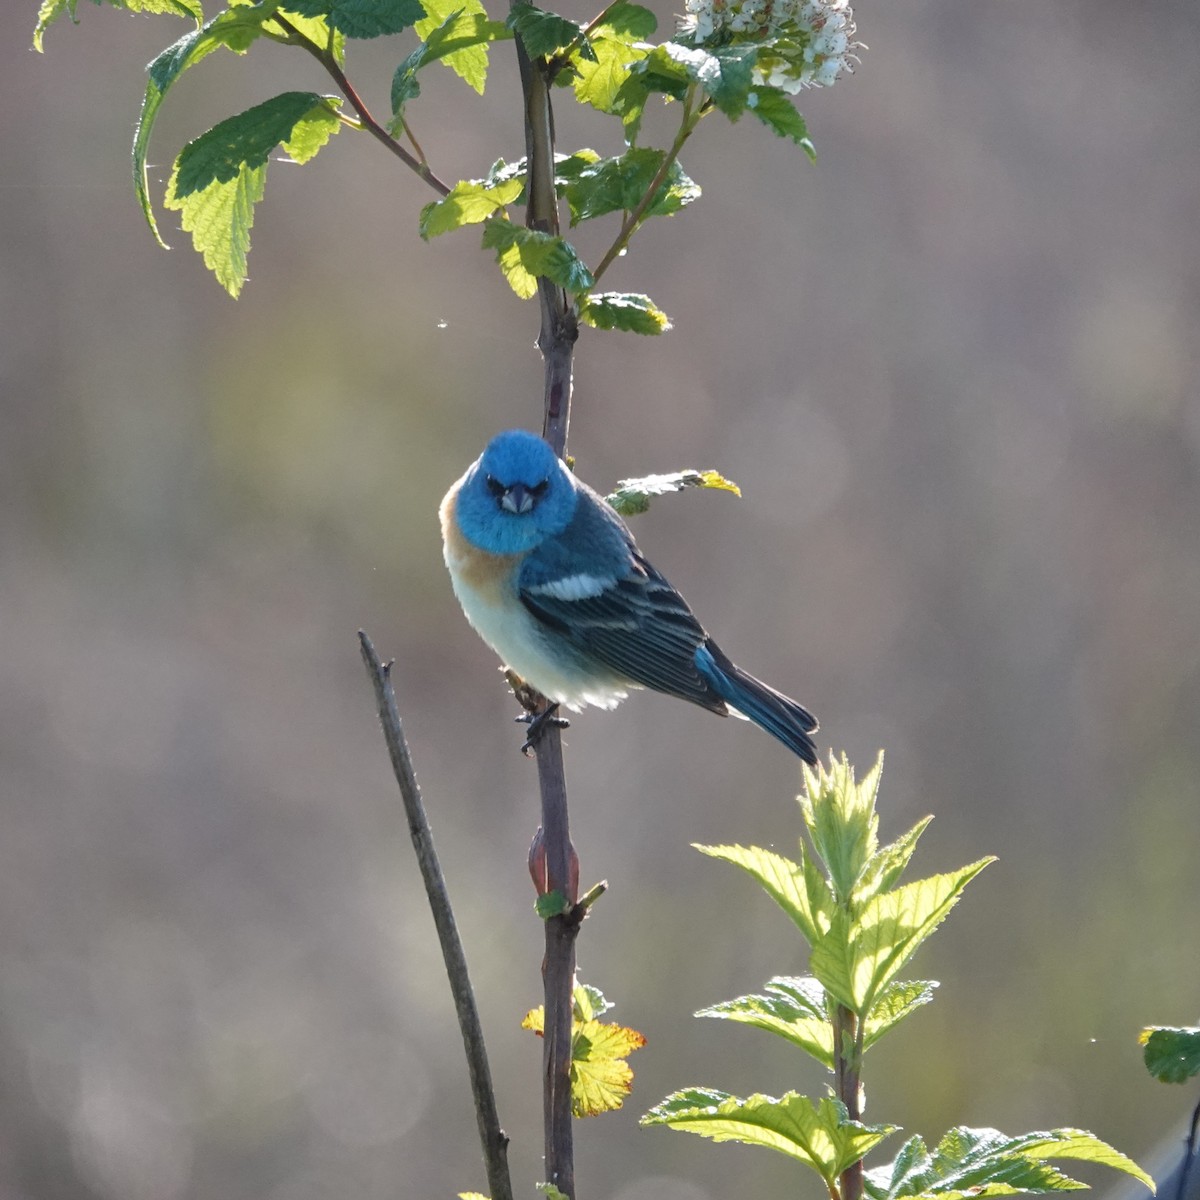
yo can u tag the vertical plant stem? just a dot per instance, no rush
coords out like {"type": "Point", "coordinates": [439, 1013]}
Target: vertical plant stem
{"type": "Point", "coordinates": [847, 1043]}
{"type": "Point", "coordinates": [556, 340]}
{"type": "Point", "coordinates": [491, 1135]}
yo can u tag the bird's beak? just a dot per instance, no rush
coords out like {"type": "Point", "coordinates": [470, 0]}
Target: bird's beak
{"type": "Point", "coordinates": [517, 499]}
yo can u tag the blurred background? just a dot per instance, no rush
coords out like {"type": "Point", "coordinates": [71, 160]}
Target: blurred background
{"type": "Point", "coordinates": [954, 368]}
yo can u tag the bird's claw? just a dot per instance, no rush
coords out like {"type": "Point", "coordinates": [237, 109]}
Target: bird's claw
{"type": "Point", "coordinates": [538, 724]}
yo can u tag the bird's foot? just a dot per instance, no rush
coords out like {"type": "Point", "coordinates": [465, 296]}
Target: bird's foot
{"type": "Point", "coordinates": [538, 724]}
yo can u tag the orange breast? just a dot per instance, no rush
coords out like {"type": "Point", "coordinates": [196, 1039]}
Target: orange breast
{"type": "Point", "coordinates": [488, 575]}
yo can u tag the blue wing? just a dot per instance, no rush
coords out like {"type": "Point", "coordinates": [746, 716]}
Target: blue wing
{"type": "Point", "coordinates": [593, 588]}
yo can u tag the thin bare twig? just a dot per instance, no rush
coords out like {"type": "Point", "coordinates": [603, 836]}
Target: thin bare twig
{"type": "Point", "coordinates": [491, 1135]}
{"type": "Point", "coordinates": [325, 57]}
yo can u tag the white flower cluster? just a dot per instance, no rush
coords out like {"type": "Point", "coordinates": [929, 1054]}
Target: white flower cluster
{"type": "Point", "coordinates": [812, 41]}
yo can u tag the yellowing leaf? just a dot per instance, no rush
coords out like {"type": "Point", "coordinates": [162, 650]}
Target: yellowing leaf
{"type": "Point", "coordinates": [600, 1077]}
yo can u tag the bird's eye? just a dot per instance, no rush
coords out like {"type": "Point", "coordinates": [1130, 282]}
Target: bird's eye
{"type": "Point", "coordinates": [494, 485]}
{"type": "Point", "coordinates": [539, 489]}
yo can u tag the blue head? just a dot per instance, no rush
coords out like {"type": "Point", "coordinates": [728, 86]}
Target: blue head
{"type": "Point", "coordinates": [516, 495]}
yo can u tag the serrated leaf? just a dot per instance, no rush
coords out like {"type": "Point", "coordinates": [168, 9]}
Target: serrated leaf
{"type": "Point", "coordinates": [551, 1192]}
{"type": "Point", "coordinates": [784, 881]}
{"type": "Point", "coordinates": [219, 177]}
{"type": "Point", "coordinates": [600, 1077]}
{"type": "Point", "coordinates": [470, 202]}
{"type": "Point", "coordinates": [632, 496]}
{"type": "Point", "coordinates": [51, 10]}
{"type": "Point", "coordinates": [1172, 1054]}
{"type": "Point", "coordinates": [793, 1008]}
{"type": "Point", "coordinates": [600, 81]}
{"type": "Point", "coordinates": [861, 953]}
{"type": "Point", "coordinates": [456, 32]}
{"type": "Point", "coordinates": [886, 867]}
{"type": "Point", "coordinates": [363, 18]}
{"type": "Point", "coordinates": [525, 255]}
{"type": "Point", "coordinates": [774, 108]}
{"type": "Point", "coordinates": [607, 185]}
{"type": "Point", "coordinates": [630, 311]}
{"type": "Point", "coordinates": [461, 42]}
{"type": "Point", "coordinates": [817, 1134]}
{"type": "Point", "coordinates": [841, 819]}
{"type": "Point", "coordinates": [986, 1162]}
{"type": "Point", "coordinates": [248, 139]}
{"type": "Point", "coordinates": [551, 904]}
{"type": "Point", "coordinates": [893, 1004]}
{"type": "Point", "coordinates": [236, 29]}
{"type": "Point", "coordinates": [542, 32]}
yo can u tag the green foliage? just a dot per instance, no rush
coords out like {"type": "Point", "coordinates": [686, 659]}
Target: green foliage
{"type": "Point", "coordinates": [610, 64]}
{"type": "Point", "coordinates": [470, 202]}
{"type": "Point", "coordinates": [843, 892]}
{"type": "Point", "coordinates": [363, 18]}
{"type": "Point", "coordinates": [819, 1134]}
{"type": "Point", "coordinates": [460, 39]}
{"type": "Point", "coordinates": [623, 310]}
{"type": "Point", "coordinates": [985, 1162]}
{"type": "Point", "coordinates": [633, 496]}
{"type": "Point", "coordinates": [594, 186]}
{"type": "Point", "coordinates": [525, 255]}
{"type": "Point", "coordinates": [1172, 1053]}
{"type": "Point", "coordinates": [51, 10]}
{"type": "Point", "coordinates": [219, 177]}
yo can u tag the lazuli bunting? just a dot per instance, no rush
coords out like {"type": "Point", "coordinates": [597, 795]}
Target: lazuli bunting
{"type": "Point", "coordinates": [551, 578]}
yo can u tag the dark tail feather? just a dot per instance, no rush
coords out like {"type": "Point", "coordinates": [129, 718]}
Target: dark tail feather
{"type": "Point", "coordinates": [778, 714]}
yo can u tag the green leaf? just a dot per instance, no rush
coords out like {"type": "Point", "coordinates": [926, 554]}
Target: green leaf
{"type": "Point", "coordinates": [248, 139]}
{"type": "Point", "coordinates": [1172, 1053]}
{"type": "Point", "coordinates": [985, 1162]}
{"type": "Point", "coordinates": [470, 202]}
{"type": "Point", "coordinates": [236, 29]}
{"type": "Point", "coordinates": [819, 1135]}
{"type": "Point", "coordinates": [897, 1001]}
{"type": "Point", "coordinates": [774, 108]}
{"type": "Point", "coordinates": [785, 882]}
{"type": "Point", "coordinates": [51, 10]}
{"type": "Point", "coordinates": [626, 20]}
{"type": "Point", "coordinates": [542, 33]}
{"type": "Point", "coordinates": [461, 42]}
{"type": "Point", "coordinates": [219, 177]}
{"type": "Point", "coordinates": [525, 255]}
{"type": "Point", "coordinates": [607, 185]}
{"type": "Point", "coordinates": [457, 32]}
{"type": "Point", "coordinates": [670, 67]}
{"type": "Point", "coordinates": [632, 496]}
{"type": "Point", "coordinates": [861, 953]}
{"type": "Point", "coordinates": [842, 821]}
{"type": "Point", "coordinates": [363, 18]}
{"type": "Point", "coordinates": [885, 868]}
{"type": "Point", "coordinates": [794, 1008]}
{"type": "Point", "coordinates": [616, 45]}
{"type": "Point", "coordinates": [630, 311]}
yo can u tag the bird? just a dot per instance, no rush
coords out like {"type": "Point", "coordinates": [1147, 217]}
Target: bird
{"type": "Point", "coordinates": [551, 578]}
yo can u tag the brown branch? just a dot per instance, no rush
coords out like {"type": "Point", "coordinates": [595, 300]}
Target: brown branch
{"type": "Point", "coordinates": [326, 59]}
{"type": "Point", "coordinates": [491, 1135]}
{"type": "Point", "coordinates": [847, 1051]}
{"type": "Point", "coordinates": [556, 340]}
